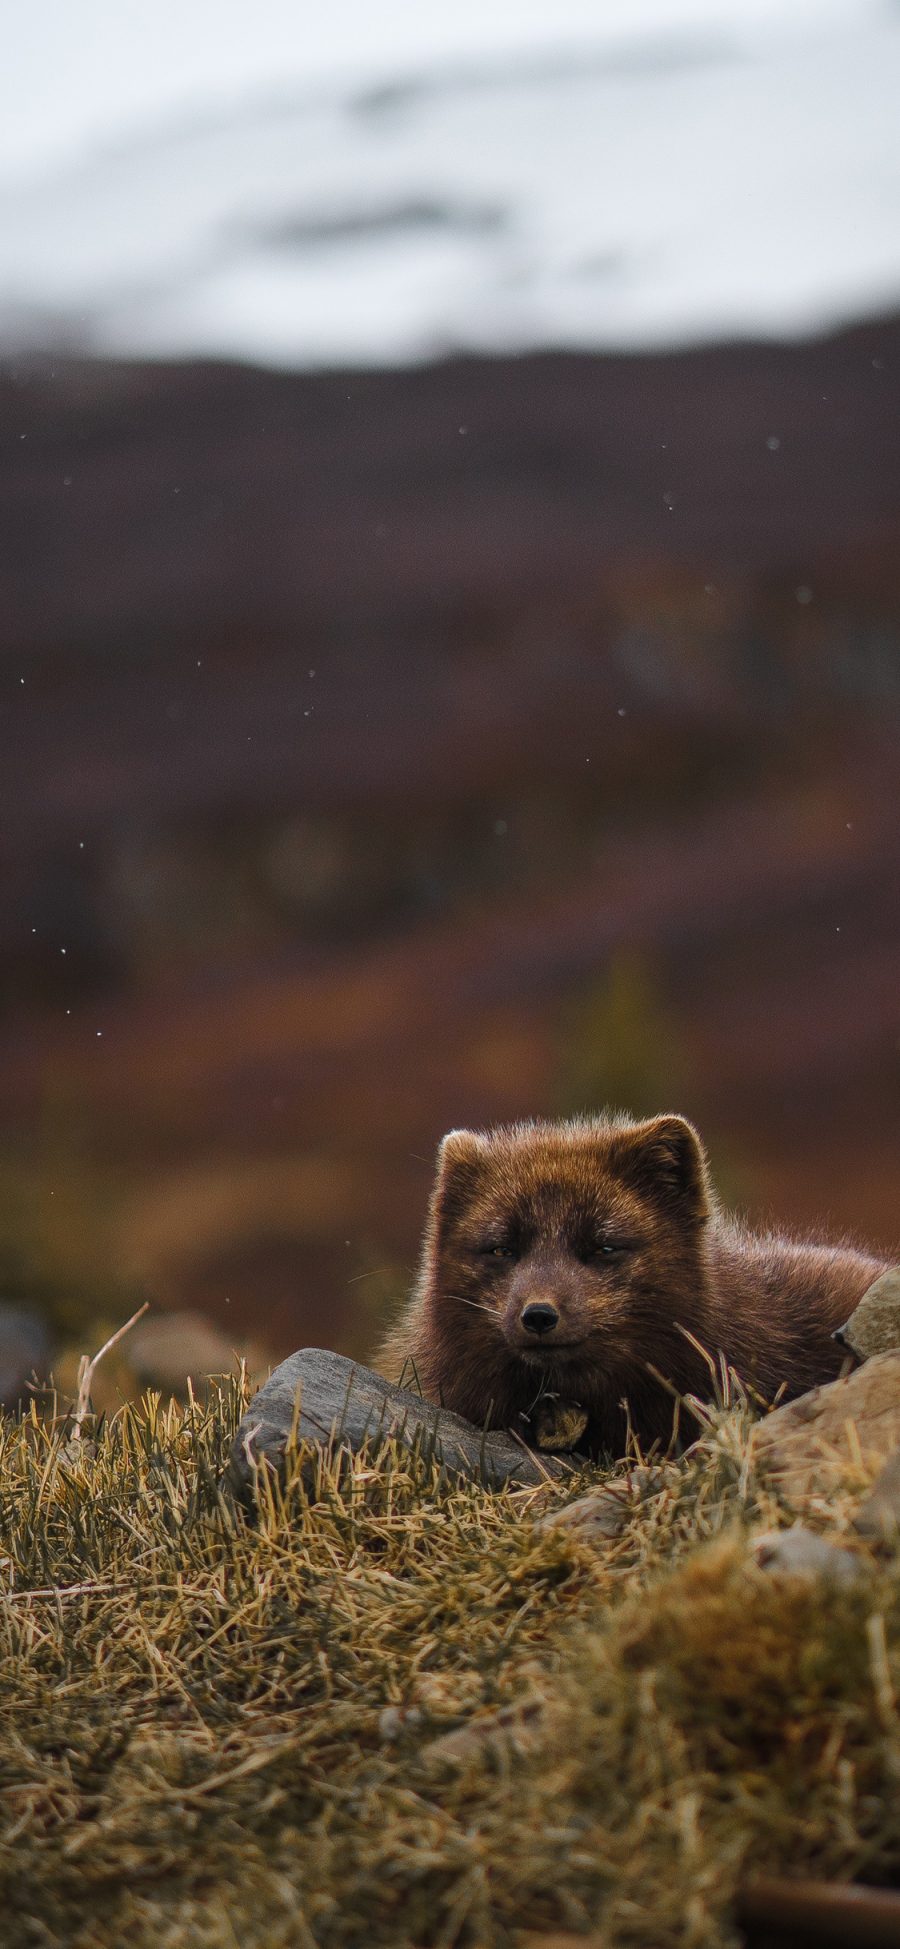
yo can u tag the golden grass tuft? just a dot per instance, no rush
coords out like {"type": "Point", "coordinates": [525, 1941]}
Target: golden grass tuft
{"type": "Point", "coordinates": [221, 1732]}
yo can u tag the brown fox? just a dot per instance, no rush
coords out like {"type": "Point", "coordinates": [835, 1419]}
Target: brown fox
{"type": "Point", "coordinates": [588, 1263]}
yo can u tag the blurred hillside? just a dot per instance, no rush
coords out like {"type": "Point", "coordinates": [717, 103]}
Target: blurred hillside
{"type": "Point", "coordinates": [385, 751]}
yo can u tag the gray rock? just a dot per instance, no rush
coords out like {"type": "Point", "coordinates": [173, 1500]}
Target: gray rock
{"type": "Point", "coordinates": [324, 1397]}
{"type": "Point", "coordinates": [874, 1326]}
{"type": "Point", "coordinates": [396, 1720]}
{"type": "Point", "coordinates": [798, 1552]}
{"type": "Point", "coordinates": [878, 1515]}
{"type": "Point", "coordinates": [811, 1446]}
{"type": "Point", "coordinates": [601, 1514]}
{"type": "Point", "coordinates": [24, 1353]}
{"type": "Point", "coordinates": [598, 1516]}
{"type": "Point", "coordinates": [167, 1349]}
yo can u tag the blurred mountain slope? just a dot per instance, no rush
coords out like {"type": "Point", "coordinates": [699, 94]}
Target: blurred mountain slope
{"type": "Point", "coordinates": [354, 727]}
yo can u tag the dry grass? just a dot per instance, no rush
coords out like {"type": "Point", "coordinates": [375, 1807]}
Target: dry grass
{"type": "Point", "coordinates": [218, 1733]}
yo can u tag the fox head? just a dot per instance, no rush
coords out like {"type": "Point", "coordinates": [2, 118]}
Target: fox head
{"type": "Point", "coordinates": [568, 1259]}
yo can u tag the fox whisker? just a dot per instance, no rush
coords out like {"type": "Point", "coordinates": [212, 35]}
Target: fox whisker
{"type": "Point", "coordinates": [478, 1304]}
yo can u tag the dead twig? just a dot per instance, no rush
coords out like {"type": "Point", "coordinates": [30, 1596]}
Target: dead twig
{"type": "Point", "coordinates": [774, 1911]}
{"type": "Point", "coordinates": [63, 1590]}
{"type": "Point", "coordinates": [87, 1368]}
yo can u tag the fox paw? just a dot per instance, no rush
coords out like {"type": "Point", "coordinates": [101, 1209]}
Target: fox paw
{"type": "Point", "coordinates": [557, 1424]}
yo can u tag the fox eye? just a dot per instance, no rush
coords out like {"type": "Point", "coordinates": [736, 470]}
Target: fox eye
{"type": "Point", "coordinates": [604, 1248]}
{"type": "Point", "coordinates": [493, 1249]}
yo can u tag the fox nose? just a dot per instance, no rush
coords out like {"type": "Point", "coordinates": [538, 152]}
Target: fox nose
{"type": "Point", "coordinates": [540, 1318]}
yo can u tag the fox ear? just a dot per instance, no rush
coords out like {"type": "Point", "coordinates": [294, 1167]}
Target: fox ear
{"type": "Point", "coordinates": [665, 1160]}
{"type": "Point", "coordinates": [460, 1159]}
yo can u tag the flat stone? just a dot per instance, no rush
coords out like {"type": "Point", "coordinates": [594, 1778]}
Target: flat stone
{"type": "Point", "coordinates": [878, 1515]}
{"type": "Point", "coordinates": [874, 1327]}
{"type": "Point", "coordinates": [323, 1398]}
{"type": "Point", "coordinates": [798, 1552]}
{"type": "Point", "coordinates": [515, 1730]}
{"type": "Point", "coordinates": [812, 1444]}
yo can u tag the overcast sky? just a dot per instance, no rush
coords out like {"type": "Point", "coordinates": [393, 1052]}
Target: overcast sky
{"type": "Point", "coordinates": [79, 72]}
{"type": "Point", "coordinates": [183, 178]}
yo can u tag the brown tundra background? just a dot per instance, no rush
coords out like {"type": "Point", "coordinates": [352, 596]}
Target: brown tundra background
{"type": "Point", "coordinates": [389, 751]}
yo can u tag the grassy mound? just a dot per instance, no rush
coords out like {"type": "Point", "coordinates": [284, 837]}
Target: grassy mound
{"type": "Point", "coordinates": [221, 1733]}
